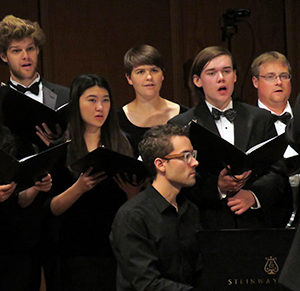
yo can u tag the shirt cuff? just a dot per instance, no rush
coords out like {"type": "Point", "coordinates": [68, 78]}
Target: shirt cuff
{"type": "Point", "coordinates": [257, 204]}
{"type": "Point", "coordinates": [221, 194]}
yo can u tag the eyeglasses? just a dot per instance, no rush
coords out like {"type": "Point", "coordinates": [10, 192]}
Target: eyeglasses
{"type": "Point", "coordinates": [273, 77]}
{"type": "Point", "coordinates": [186, 156]}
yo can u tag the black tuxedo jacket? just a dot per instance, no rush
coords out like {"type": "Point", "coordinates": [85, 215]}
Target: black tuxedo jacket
{"type": "Point", "coordinates": [293, 137]}
{"type": "Point", "coordinates": [293, 128]}
{"type": "Point", "coordinates": [252, 126]}
{"type": "Point", "coordinates": [285, 167]}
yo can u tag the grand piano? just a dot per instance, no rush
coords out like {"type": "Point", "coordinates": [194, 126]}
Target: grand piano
{"type": "Point", "coordinates": [241, 260]}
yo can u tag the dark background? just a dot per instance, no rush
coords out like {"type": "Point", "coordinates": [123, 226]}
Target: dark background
{"type": "Point", "coordinates": [89, 36]}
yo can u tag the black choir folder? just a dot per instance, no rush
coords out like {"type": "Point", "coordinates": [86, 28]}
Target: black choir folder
{"type": "Point", "coordinates": [111, 162]}
{"type": "Point", "coordinates": [27, 171]}
{"type": "Point", "coordinates": [215, 153]}
{"type": "Point", "coordinates": [21, 114]}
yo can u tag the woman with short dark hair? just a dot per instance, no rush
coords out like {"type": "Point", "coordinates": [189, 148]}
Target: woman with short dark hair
{"type": "Point", "coordinates": [144, 70]}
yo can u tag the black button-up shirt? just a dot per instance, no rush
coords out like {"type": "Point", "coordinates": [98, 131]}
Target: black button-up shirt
{"type": "Point", "coordinates": [156, 247]}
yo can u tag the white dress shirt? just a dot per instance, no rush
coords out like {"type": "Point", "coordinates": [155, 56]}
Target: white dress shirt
{"type": "Point", "coordinates": [225, 127]}
{"type": "Point", "coordinates": [226, 130]}
{"type": "Point", "coordinates": [39, 97]}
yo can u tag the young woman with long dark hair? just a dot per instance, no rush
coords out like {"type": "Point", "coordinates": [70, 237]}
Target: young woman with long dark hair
{"type": "Point", "coordinates": [90, 201]}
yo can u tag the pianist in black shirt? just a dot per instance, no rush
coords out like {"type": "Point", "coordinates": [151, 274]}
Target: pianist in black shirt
{"type": "Point", "coordinates": [155, 234]}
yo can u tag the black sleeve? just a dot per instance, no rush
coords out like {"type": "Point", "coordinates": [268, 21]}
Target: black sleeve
{"type": "Point", "coordinates": [293, 128]}
{"type": "Point", "coordinates": [136, 255]}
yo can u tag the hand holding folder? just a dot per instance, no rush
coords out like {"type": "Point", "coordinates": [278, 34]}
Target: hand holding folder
{"type": "Point", "coordinates": [215, 153]}
{"type": "Point", "coordinates": [231, 184]}
{"type": "Point", "coordinates": [21, 114]}
{"type": "Point", "coordinates": [6, 190]}
{"type": "Point", "coordinates": [27, 171]}
{"type": "Point", "coordinates": [110, 162]}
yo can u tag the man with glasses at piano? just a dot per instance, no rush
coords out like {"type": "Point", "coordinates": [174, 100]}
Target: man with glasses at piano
{"type": "Point", "coordinates": [155, 234]}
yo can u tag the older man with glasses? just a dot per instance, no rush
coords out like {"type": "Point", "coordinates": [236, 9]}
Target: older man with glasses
{"type": "Point", "coordinates": [271, 76]}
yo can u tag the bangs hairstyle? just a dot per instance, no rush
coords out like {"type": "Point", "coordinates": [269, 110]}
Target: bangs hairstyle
{"type": "Point", "coordinates": [202, 58]}
{"type": "Point", "coordinates": [268, 57]}
{"type": "Point", "coordinates": [111, 135]}
{"type": "Point", "coordinates": [14, 28]}
{"type": "Point", "coordinates": [157, 143]}
{"type": "Point", "coordinates": [142, 55]}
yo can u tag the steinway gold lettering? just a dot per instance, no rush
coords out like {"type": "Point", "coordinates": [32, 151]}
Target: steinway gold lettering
{"type": "Point", "coordinates": [251, 281]}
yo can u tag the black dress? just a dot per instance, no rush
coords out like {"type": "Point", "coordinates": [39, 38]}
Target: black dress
{"type": "Point", "coordinates": [135, 133]}
{"type": "Point", "coordinates": [87, 259]}
{"type": "Point", "coordinates": [20, 233]}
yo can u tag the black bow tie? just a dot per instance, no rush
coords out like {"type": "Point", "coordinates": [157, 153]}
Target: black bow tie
{"type": "Point", "coordinates": [230, 114]}
{"type": "Point", "coordinates": [34, 88]}
{"type": "Point", "coordinates": [284, 118]}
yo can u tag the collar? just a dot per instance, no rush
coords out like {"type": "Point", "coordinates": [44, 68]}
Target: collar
{"type": "Point", "coordinates": [37, 79]}
{"type": "Point", "coordinates": [287, 108]}
{"type": "Point", "coordinates": [162, 204]}
{"type": "Point", "coordinates": [210, 106]}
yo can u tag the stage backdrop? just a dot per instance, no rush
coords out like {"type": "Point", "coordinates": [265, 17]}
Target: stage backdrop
{"type": "Point", "coordinates": [92, 37]}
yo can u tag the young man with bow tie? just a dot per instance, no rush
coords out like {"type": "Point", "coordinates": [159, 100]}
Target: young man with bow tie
{"type": "Point", "coordinates": [20, 44]}
{"type": "Point", "coordinates": [212, 77]}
